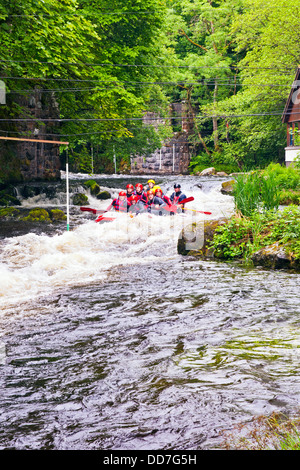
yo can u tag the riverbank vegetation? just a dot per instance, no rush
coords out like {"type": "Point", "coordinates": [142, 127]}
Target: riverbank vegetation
{"type": "Point", "coordinates": [274, 432]}
{"type": "Point", "coordinates": [259, 220]}
{"type": "Point", "coordinates": [100, 68]}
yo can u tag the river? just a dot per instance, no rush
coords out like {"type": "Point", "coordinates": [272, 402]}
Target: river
{"type": "Point", "coordinates": [111, 340]}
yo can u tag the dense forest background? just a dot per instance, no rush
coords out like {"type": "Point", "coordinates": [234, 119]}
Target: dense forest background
{"type": "Point", "coordinates": [105, 64]}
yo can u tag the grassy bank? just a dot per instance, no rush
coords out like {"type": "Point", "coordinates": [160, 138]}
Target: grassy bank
{"type": "Point", "coordinates": [258, 222]}
{"type": "Point", "coordinates": [242, 236]}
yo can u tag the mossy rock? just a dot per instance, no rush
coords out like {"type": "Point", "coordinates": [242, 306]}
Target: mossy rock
{"type": "Point", "coordinates": [80, 199]}
{"type": "Point", "coordinates": [275, 257]}
{"type": "Point", "coordinates": [8, 212]}
{"type": "Point", "coordinates": [57, 215]}
{"type": "Point", "coordinates": [194, 240]}
{"type": "Point", "coordinates": [37, 215]}
{"type": "Point", "coordinates": [227, 187]}
{"type": "Point", "coordinates": [93, 187]}
{"type": "Point", "coordinates": [8, 198]}
{"type": "Point", "coordinates": [104, 195]}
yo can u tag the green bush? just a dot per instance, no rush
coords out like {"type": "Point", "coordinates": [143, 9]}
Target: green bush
{"type": "Point", "coordinates": [242, 236]}
{"type": "Point", "coordinates": [283, 177]}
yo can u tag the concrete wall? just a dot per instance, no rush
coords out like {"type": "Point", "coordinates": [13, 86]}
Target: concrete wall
{"type": "Point", "coordinates": [291, 154]}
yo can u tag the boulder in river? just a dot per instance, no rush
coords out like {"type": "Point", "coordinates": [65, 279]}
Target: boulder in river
{"type": "Point", "coordinates": [275, 257]}
{"type": "Point", "coordinates": [104, 195]}
{"type": "Point", "coordinates": [80, 199]}
{"type": "Point", "coordinates": [227, 187]}
{"type": "Point", "coordinates": [194, 239]}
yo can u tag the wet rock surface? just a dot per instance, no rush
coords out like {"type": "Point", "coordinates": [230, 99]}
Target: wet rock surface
{"type": "Point", "coordinates": [275, 257]}
{"type": "Point", "coordinates": [194, 240]}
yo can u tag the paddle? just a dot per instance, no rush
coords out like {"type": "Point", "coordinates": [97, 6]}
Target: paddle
{"type": "Point", "coordinates": [94, 211]}
{"type": "Point", "coordinates": [200, 212]}
{"type": "Point", "coordinates": [174, 207]}
{"type": "Point", "coordinates": [184, 201]}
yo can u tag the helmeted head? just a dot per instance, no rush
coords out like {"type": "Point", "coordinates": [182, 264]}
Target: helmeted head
{"type": "Point", "coordinates": [158, 192]}
{"type": "Point", "coordinates": [151, 183]}
{"type": "Point", "coordinates": [150, 194]}
{"type": "Point", "coordinates": [134, 199]}
{"type": "Point", "coordinates": [177, 187]}
{"type": "Point", "coordinates": [130, 188]}
{"type": "Point", "coordinates": [122, 195]}
{"type": "Point", "coordinates": [139, 188]}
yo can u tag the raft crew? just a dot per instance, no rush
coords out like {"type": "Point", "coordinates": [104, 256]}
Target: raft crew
{"type": "Point", "coordinates": [164, 197]}
{"type": "Point", "coordinates": [120, 204]}
{"type": "Point", "coordinates": [136, 200]}
{"type": "Point", "coordinates": [137, 206]}
{"type": "Point", "coordinates": [177, 196]}
{"type": "Point", "coordinates": [150, 184]}
{"type": "Point", "coordinates": [154, 203]}
{"type": "Point", "coordinates": [129, 192]}
{"type": "Point", "coordinates": [140, 193]}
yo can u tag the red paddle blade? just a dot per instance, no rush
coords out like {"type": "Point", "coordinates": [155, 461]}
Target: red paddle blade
{"type": "Point", "coordinates": [94, 211]}
{"type": "Point", "coordinates": [102, 218]}
{"type": "Point", "coordinates": [88, 209]}
{"type": "Point", "coordinates": [188, 199]}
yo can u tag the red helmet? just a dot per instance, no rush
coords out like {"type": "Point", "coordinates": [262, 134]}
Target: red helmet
{"type": "Point", "coordinates": [150, 192]}
{"type": "Point", "coordinates": [130, 186]}
{"type": "Point", "coordinates": [139, 187]}
{"type": "Point", "coordinates": [134, 198]}
{"type": "Point", "coordinates": [122, 193]}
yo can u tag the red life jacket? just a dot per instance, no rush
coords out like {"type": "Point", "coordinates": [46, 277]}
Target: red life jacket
{"type": "Point", "coordinates": [142, 196]}
{"type": "Point", "coordinates": [167, 200]}
{"type": "Point", "coordinates": [120, 206]}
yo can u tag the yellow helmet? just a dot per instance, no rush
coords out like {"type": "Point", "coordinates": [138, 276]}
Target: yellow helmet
{"type": "Point", "coordinates": [151, 181]}
{"type": "Point", "coordinates": [156, 187]}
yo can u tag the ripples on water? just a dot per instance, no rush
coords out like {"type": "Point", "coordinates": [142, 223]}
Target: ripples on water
{"type": "Point", "coordinates": [155, 351]}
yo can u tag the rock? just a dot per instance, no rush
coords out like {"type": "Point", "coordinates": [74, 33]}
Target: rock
{"type": "Point", "coordinates": [37, 215]}
{"type": "Point", "coordinates": [8, 212]}
{"type": "Point", "coordinates": [221, 173]}
{"type": "Point", "coordinates": [194, 239]}
{"type": "Point", "coordinates": [80, 199]}
{"type": "Point", "coordinates": [93, 186]}
{"type": "Point", "coordinates": [227, 187]}
{"type": "Point", "coordinates": [208, 171]}
{"type": "Point", "coordinates": [275, 257]}
{"type": "Point", "coordinates": [104, 195]}
{"type": "Point", "coordinates": [57, 215]}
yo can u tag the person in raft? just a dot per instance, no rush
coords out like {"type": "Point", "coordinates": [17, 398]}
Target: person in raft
{"type": "Point", "coordinates": [140, 193]}
{"type": "Point", "coordinates": [129, 191]}
{"type": "Point", "coordinates": [137, 206]}
{"type": "Point", "coordinates": [177, 196]}
{"type": "Point", "coordinates": [155, 204]}
{"type": "Point", "coordinates": [164, 197]}
{"type": "Point", "coordinates": [149, 185]}
{"type": "Point", "coordinates": [120, 204]}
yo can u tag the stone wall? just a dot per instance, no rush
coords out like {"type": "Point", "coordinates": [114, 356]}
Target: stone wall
{"type": "Point", "coordinates": [29, 160]}
{"type": "Point", "coordinates": [173, 157]}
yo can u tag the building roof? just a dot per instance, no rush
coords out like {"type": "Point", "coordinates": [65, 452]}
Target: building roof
{"type": "Point", "coordinates": [291, 111]}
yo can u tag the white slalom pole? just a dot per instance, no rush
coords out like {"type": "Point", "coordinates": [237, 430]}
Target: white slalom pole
{"type": "Point", "coordinates": [67, 181]}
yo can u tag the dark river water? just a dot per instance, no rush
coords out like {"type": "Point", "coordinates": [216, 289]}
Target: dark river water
{"type": "Point", "coordinates": [111, 340]}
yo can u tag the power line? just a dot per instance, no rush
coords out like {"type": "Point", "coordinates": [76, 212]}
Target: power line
{"type": "Point", "coordinates": [92, 64]}
{"type": "Point", "coordinates": [128, 118]}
